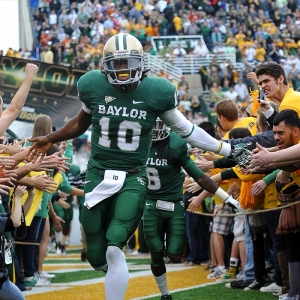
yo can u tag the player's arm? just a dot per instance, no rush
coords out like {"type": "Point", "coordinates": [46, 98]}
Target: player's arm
{"type": "Point", "coordinates": [192, 134]}
{"type": "Point", "coordinates": [210, 185]}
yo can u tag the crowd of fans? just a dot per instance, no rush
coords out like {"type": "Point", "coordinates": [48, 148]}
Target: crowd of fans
{"type": "Point", "coordinates": [73, 33]}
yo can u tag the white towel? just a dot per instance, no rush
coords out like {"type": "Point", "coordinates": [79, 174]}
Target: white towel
{"type": "Point", "coordinates": [111, 184]}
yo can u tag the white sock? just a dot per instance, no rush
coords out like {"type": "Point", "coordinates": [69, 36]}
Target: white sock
{"type": "Point", "coordinates": [63, 239]}
{"type": "Point", "coordinates": [117, 276]}
{"type": "Point", "coordinates": [234, 262]}
{"type": "Point", "coordinates": [221, 268]}
{"type": "Point", "coordinates": [162, 284]}
{"type": "Point", "coordinates": [58, 236]}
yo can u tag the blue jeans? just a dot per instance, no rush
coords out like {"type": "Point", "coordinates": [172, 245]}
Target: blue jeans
{"type": "Point", "coordinates": [9, 291]}
{"type": "Point", "coordinates": [249, 273]}
{"type": "Point", "coordinates": [196, 231]}
{"type": "Point", "coordinates": [28, 251]}
{"type": "Point", "coordinates": [272, 222]}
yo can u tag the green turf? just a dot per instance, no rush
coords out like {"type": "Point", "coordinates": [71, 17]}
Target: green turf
{"type": "Point", "coordinates": [80, 275]}
{"type": "Point", "coordinates": [64, 261]}
{"type": "Point", "coordinates": [219, 292]}
{"type": "Point", "coordinates": [141, 261]}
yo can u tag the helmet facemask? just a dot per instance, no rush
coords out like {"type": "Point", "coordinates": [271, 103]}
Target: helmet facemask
{"type": "Point", "coordinates": [160, 131]}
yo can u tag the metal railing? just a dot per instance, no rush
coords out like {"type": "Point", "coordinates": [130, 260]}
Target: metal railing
{"type": "Point", "coordinates": [188, 64]}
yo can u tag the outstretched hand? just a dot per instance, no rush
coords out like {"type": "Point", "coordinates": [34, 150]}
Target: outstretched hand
{"type": "Point", "coordinates": [39, 148]}
{"type": "Point", "coordinates": [260, 159]}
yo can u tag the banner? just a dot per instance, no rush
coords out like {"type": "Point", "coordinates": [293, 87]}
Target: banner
{"type": "Point", "coordinates": [188, 42]}
{"type": "Point", "coordinates": [53, 91]}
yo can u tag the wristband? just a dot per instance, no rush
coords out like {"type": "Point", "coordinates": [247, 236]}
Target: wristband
{"type": "Point", "coordinates": [221, 194]}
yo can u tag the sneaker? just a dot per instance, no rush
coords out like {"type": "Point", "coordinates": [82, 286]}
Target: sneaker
{"type": "Point", "coordinates": [29, 281]}
{"type": "Point", "coordinates": [166, 297]}
{"type": "Point", "coordinates": [63, 250]}
{"type": "Point", "coordinates": [217, 274]}
{"type": "Point", "coordinates": [229, 276]}
{"type": "Point", "coordinates": [41, 282]}
{"type": "Point", "coordinates": [58, 248]}
{"type": "Point", "coordinates": [255, 285]}
{"type": "Point", "coordinates": [239, 284]}
{"type": "Point", "coordinates": [46, 275]}
{"type": "Point", "coordinates": [273, 287]}
{"type": "Point", "coordinates": [283, 296]}
{"type": "Point", "coordinates": [83, 255]}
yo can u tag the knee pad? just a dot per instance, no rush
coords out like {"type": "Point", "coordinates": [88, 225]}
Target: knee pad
{"type": "Point", "coordinates": [117, 236]}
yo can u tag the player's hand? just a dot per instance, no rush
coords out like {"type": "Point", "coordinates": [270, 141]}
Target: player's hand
{"type": "Point", "coordinates": [234, 204]}
{"type": "Point", "coordinates": [39, 148]}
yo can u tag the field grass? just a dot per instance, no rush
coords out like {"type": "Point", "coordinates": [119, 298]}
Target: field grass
{"type": "Point", "coordinates": [80, 281]}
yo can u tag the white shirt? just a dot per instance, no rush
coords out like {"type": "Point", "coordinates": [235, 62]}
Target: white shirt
{"type": "Point", "coordinates": [200, 50]}
{"type": "Point", "coordinates": [242, 91]}
{"type": "Point", "coordinates": [231, 95]}
{"type": "Point", "coordinates": [250, 54]}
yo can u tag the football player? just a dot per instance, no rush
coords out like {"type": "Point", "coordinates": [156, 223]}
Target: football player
{"type": "Point", "coordinates": [121, 103]}
{"type": "Point", "coordinates": [164, 217]}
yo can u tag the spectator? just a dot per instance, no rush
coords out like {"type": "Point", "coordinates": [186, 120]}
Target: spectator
{"type": "Point", "coordinates": [242, 90]}
{"type": "Point", "coordinates": [200, 49]}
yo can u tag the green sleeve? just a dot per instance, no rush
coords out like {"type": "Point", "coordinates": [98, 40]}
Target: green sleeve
{"type": "Point", "coordinates": [271, 177]}
{"type": "Point", "coordinates": [69, 151]}
{"type": "Point", "coordinates": [193, 170]}
{"type": "Point", "coordinates": [228, 174]}
{"type": "Point", "coordinates": [224, 162]}
{"type": "Point", "coordinates": [65, 186]}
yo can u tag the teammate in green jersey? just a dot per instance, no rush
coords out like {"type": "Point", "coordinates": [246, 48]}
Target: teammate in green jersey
{"type": "Point", "coordinates": [121, 103]}
{"type": "Point", "coordinates": [164, 217]}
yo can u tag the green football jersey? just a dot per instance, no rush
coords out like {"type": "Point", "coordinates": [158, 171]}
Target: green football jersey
{"type": "Point", "coordinates": [122, 123]}
{"type": "Point", "coordinates": [165, 177]}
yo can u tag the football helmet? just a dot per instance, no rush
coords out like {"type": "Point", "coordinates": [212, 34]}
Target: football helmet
{"type": "Point", "coordinates": [160, 131]}
{"type": "Point", "coordinates": [123, 59]}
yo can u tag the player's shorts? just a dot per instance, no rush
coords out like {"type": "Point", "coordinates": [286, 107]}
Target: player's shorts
{"type": "Point", "coordinates": [165, 229]}
{"type": "Point", "coordinates": [114, 220]}
{"type": "Point", "coordinates": [222, 225]}
{"type": "Point", "coordinates": [239, 227]}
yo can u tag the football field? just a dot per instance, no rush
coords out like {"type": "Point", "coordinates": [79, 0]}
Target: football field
{"type": "Point", "coordinates": [77, 280]}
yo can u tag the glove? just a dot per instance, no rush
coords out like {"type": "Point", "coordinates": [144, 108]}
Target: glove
{"type": "Point", "coordinates": [241, 154]}
{"type": "Point", "coordinates": [234, 204]}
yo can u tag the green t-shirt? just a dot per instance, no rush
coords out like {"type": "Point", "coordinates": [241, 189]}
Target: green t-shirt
{"type": "Point", "coordinates": [122, 123]}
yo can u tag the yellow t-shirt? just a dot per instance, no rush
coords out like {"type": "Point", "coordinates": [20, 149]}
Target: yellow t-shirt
{"type": "Point", "coordinates": [291, 100]}
{"type": "Point", "coordinates": [248, 122]}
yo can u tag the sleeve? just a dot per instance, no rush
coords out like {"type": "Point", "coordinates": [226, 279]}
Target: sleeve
{"type": "Point", "coordinates": [269, 179]}
{"type": "Point", "coordinates": [265, 139]}
{"type": "Point", "coordinates": [228, 174]}
{"type": "Point", "coordinates": [192, 134]}
{"type": "Point", "coordinates": [225, 162]}
{"type": "Point", "coordinates": [65, 186]}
